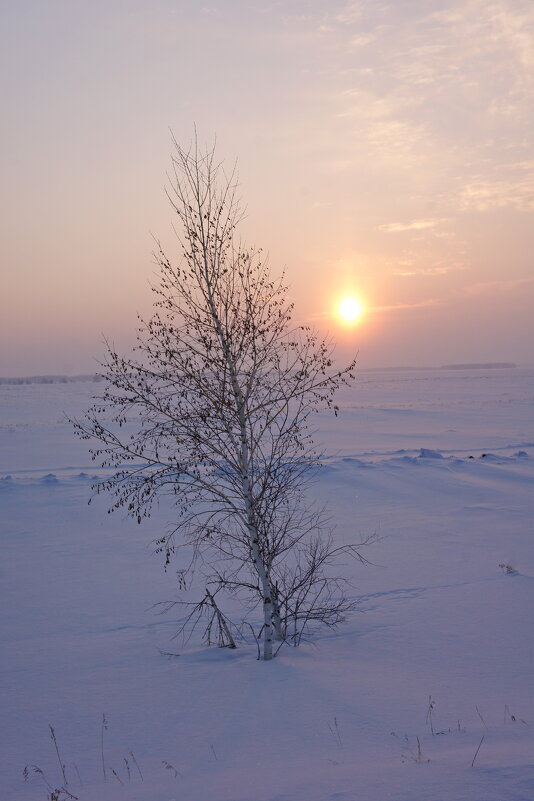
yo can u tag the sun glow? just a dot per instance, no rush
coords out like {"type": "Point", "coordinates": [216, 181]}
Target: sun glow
{"type": "Point", "coordinates": [349, 309]}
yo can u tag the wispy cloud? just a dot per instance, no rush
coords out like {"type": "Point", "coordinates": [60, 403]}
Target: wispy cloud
{"type": "Point", "coordinates": [496, 287]}
{"type": "Point", "coordinates": [437, 269]}
{"type": "Point", "coordinates": [350, 13]}
{"type": "Point", "coordinates": [485, 194]}
{"type": "Point", "coordinates": [393, 307]}
{"type": "Point", "coordinates": [447, 95]}
{"type": "Point", "coordinates": [414, 225]}
{"type": "Point", "coordinates": [422, 304]}
{"type": "Point", "coordinates": [362, 40]}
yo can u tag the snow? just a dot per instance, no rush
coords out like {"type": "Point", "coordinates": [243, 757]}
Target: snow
{"type": "Point", "coordinates": [439, 463]}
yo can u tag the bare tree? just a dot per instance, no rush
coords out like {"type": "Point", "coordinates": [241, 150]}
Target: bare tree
{"type": "Point", "coordinates": [218, 397]}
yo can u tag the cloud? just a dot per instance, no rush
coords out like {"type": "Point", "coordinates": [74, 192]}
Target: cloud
{"type": "Point", "coordinates": [485, 194]}
{"type": "Point", "coordinates": [497, 287]}
{"type": "Point", "coordinates": [422, 304]}
{"type": "Point", "coordinates": [437, 269]}
{"type": "Point", "coordinates": [362, 40]}
{"type": "Point", "coordinates": [350, 13]}
{"type": "Point", "coordinates": [446, 95]}
{"type": "Point", "coordinates": [414, 225]}
{"type": "Point", "coordinates": [516, 30]}
{"type": "Point", "coordinates": [394, 307]}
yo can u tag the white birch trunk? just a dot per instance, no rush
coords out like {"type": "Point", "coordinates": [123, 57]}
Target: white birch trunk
{"type": "Point", "coordinates": [277, 622]}
{"type": "Point", "coordinates": [266, 590]}
{"type": "Point", "coordinates": [261, 570]}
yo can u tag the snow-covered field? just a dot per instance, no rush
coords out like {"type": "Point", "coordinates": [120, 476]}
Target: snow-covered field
{"type": "Point", "coordinates": [440, 463]}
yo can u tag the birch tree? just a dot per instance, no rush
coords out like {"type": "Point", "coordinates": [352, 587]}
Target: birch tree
{"type": "Point", "coordinates": [213, 408]}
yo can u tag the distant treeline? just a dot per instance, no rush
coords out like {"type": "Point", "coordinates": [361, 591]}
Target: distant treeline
{"type": "Point", "coordinates": [485, 366]}
{"type": "Point", "coordinates": [49, 379]}
{"type": "Point", "coordinates": [69, 379]}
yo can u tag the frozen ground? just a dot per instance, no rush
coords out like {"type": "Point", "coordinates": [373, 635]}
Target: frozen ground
{"type": "Point", "coordinates": [338, 719]}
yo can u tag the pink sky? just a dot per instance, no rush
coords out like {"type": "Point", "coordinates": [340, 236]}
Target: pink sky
{"type": "Point", "coordinates": [384, 148]}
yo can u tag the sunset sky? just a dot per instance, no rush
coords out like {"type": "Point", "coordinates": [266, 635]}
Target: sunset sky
{"type": "Point", "coordinates": [384, 150]}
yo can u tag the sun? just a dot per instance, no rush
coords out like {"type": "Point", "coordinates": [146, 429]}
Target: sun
{"type": "Point", "coordinates": [349, 309]}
